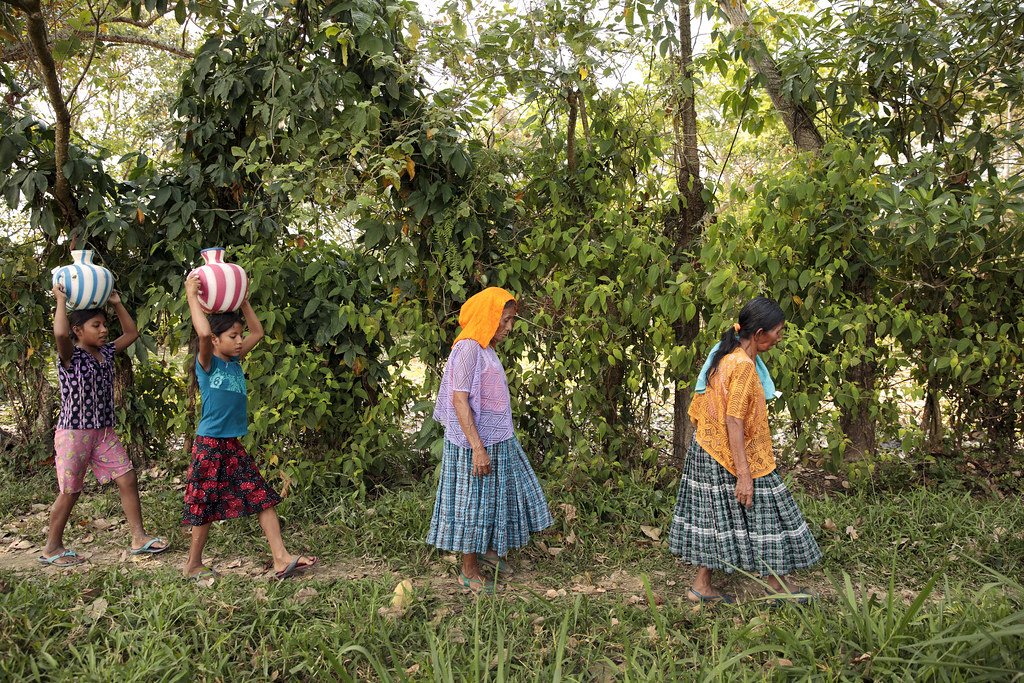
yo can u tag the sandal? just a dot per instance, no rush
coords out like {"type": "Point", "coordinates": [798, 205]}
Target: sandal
{"type": "Point", "coordinates": [67, 553]}
{"type": "Point", "coordinates": [497, 563]}
{"type": "Point", "coordinates": [713, 599]}
{"type": "Point", "coordinates": [149, 549]}
{"type": "Point", "coordinates": [799, 596]}
{"type": "Point", "coordinates": [203, 573]}
{"type": "Point", "coordinates": [483, 586]}
{"type": "Point", "coordinates": [295, 567]}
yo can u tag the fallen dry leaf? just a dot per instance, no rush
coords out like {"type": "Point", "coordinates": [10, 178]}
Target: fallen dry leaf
{"type": "Point", "coordinates": [414, 669]}
{"type": "Point", "coordinates": [23, 544]}
{"type": "Point", "coordinates": [391, 612]}
{"type": "Point", "coordinates": [651, 532]}
{"type": "Point", "coordinates": [604, 672]}
{"type": "Point", "coordinates": [96, 609]}
{"type": "Point", "coordinates": [304, 594]}
{"type": "Point", "coordinates": [103, 524]}
{"type": "Point", "coordinates": [89, 538]}
{"type": "Point", "coordinates": [457, 636]}
{"type": "Point", "coordinates": [861, 658]}
{"type": "Point", "coordinates": [495, 660]}
{"type": "Point", "coordinates": [652, 632]}
{"type": "Point", "coordinates": [830, 525]}
{"type": "Point", "coordinates": [90, 592]}
{"type": "Point", "coordinates": [783, 662]}
{"type": "Point", "coordinates": [569, 510]}
{"type": "Point", "coordinates": [554, 551]}
{"type": "Point", "coordinates": [403, 594]}
{"type": "Point", "coordinates": [571, 538]}
{"type": "Point", "coordinates": [852, 533]}
{"type": "Point", "coordinates": [234, 564]}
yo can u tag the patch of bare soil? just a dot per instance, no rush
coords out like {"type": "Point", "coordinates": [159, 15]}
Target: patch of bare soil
{"type": "Point", "coordinates": [105, 543]}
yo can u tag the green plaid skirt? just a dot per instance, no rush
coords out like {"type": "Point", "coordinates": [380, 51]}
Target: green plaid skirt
{"type": "Point", "coordinates": [499, 511]}
{"type": "Point", "coordinates": [711, 529]}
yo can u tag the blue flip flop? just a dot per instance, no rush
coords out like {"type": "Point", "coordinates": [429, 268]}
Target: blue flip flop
{"type": "Point", "coordinates": [203, 573]}
{"type": "Point", "coordinates": [148, 549]}
{"type": "Point", "coordinates": [67, 553]}
{"type": "Point", "coordinates": [799, 597]}
{"type": "Point", "coordinates": [713, 599]}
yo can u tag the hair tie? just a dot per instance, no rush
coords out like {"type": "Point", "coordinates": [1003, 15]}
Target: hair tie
{"type": "Point", "coordinates": [736, 327]}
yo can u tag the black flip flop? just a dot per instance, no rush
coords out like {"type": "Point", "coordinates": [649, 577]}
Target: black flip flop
{"type": "Point", "coordinates": [294, 567]}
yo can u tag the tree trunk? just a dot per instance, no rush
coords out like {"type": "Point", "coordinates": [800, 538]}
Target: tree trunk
{"type": "Point", "coordinates": [124, 380]}
{"type": "Point", "coordinates": [36, 28]}
{"type": "Point", "coordinates": [856, 421]}
{"type": "Point", "coordinates": [931, 420]}
{"type": "Point", "coordinates": [797, 119]}
{"type": "Point", "coordinates": [685, 226]}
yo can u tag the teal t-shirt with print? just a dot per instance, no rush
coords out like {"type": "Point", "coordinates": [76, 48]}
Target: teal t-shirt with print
{"type": "Point", "coordinates": [222, 389]}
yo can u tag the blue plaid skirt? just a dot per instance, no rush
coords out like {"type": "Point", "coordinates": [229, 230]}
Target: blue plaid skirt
{"type": "Point", "coordinates": [711, 529]}
{"type": "Point", "coordinates": [497, 512]}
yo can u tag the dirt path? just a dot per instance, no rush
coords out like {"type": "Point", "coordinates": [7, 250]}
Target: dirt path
{"type": "Point", "coordinates": [19, 553]}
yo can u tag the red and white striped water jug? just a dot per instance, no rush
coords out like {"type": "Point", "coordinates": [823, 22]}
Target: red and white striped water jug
{"type": "Point", "coordinates": [222, 286]}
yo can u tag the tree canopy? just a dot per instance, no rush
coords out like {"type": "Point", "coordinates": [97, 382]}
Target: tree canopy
{"type": "Point", "coordinates": [373, 165]}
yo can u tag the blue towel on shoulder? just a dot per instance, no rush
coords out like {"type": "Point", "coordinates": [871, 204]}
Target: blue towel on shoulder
{"type": "Point", "coordinates": [762, 374]}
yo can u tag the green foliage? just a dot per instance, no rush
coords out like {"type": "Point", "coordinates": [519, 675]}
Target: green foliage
{"type": "Point", "coordinates": [26, 340]}
{"type": "Point", "coordinates": [305, 127]}
{"type": "Point", "coordinates": [148, 408]}
{"type": "Point", "coordinates": [963, 625]}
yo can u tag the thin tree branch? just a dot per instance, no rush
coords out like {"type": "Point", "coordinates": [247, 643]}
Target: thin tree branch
{"type": "Point", "coordinates": [20, 53]}
{"type": "Point", "coordinates": [92, 55]}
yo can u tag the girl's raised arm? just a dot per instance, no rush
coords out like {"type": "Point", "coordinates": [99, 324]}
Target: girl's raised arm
{"type": "Point", "coordinates": [129, 332]}
{"type": "Point", "coordinates": [255, 328]}
{"type": "Point", "coordinates": [61, 327]}
{"type": "Point", "coordinates": [199, 322]}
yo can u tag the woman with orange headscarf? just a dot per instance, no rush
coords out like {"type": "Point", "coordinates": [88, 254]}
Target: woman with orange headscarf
{"type": "Point", "coordinates": [488, 499]}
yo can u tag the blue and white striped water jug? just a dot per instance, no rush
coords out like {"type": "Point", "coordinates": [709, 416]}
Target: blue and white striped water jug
{"type": "Point", "coordinates": [86, 284]}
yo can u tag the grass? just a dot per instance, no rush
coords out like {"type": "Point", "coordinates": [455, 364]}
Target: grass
{"type": "Point", "coordinates": [928, 590]}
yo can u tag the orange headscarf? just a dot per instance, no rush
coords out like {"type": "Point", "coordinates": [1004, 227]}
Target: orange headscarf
{"type": "Point", "coordinates": [481, 314]}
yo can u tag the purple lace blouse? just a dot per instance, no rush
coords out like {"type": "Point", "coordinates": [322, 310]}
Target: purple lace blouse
{"type": "Point", "coordinates": [477, 371]}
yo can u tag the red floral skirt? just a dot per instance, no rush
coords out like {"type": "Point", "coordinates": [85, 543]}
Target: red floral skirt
{"type": "Point", "coordinates": [224, 483]}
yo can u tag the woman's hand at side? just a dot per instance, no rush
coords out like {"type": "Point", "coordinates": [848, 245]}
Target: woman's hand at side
{"type": "Point", "coordinates": [481, 461]}
{"type": "Point", "coordinates": [744, 482]}
{"type": "Point", "coordinates": [745, 490]}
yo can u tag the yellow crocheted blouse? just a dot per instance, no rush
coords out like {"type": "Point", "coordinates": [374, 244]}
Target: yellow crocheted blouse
{"type": "Point", "coordinates": [734, 391]}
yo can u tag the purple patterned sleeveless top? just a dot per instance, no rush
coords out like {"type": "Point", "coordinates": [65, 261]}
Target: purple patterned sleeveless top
{"type": "Point", "coordinates": [479, 372]}
{"type": "Point", "coordinates": [87, 390]}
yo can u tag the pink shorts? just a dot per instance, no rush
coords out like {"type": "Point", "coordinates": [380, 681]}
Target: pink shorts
{"type": "Point", "coordinates": [101, 449]}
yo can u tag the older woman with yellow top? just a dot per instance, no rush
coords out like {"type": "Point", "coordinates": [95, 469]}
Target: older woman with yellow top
{"type": "Point", "coordinates": [733, 510]}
